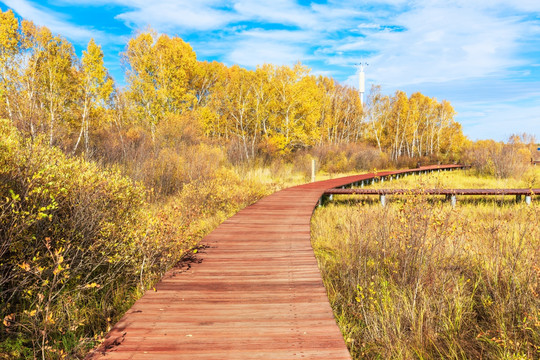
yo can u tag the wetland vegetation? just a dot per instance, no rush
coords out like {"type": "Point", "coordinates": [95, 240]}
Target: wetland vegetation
{"type": "Point", "coordinates": [418, 279]}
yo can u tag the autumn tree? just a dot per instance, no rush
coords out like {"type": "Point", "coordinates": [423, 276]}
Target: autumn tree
{"type": "Point", "coordinates": [158, 76]}
{"type": "Point", "coordinates": [204, 77]}
{"type": "Point", "coordinates": [414, 126]}
{"type": "Point", "coordinates": [95, 87]}
{"type": "Point", "coordinates": [50, 74]}
{"type": "Point", "coordinates": [9, 48]}
{"type": "Point", "coordinates": [237, 106]}
{"type": "Point", "coordinates": [341, 113]}
{"type": "Point", "coordinates": [294, 108]}
{"type": "Point", "coordinates": [377, 116]}
{"type": "Point", "coordinates": [263, 96]}
{"type": "Point", "coordinates": [29, 112]}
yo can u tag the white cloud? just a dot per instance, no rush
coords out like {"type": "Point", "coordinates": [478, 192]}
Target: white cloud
{"type": "Point", "coordinates": [176, 15]}
{"type": "Point", "coordinates": [489, 121]}
{"type": "Point", "coordinates": [168, 15]}
{"type": "Point", "coordinates": [251, 52]}
{"type": "Point", "coordinates": [520, 5]}
{"type": "Point", "coordinates": [369, 26]}
{"type": "Point", "coordinates": [286, 12]}
{"type": "Point", "coordinates": [444, 44]}
{"type": "Point", "coordinates": [284, 36]}
{"type": "Point", "coordinates": [55, 22]}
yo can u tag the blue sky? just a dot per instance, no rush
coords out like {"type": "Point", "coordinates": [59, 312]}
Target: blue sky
{"type": "Point", "coordinates": [481, 55]}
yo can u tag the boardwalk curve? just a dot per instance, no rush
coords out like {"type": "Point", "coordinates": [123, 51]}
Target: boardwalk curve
{"type": "Point", "coordinates": [257, 294]}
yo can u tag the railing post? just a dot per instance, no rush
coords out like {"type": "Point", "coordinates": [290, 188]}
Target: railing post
{"type": "Point", "coordinates": [382, 199]}
{"type": "Point", "coordinates": [452, 198]}
{"type": "Point", "coordinates": [528, 199]}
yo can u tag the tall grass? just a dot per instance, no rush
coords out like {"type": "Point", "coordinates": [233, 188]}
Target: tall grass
{"type": "Point", "coordinates": [420, 280]}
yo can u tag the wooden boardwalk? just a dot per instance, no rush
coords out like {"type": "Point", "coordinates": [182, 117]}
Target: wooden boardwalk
{"type": "Point", "coordinates": [257, 294]}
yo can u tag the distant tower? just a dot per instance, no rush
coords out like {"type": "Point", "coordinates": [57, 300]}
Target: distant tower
{"type": "Point", "coordinates": [362, 82]}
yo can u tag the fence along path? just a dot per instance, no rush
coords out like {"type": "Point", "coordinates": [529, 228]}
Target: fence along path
{"type": "Point", "coordinates": [450, 193]}
{"type": "Point", "coordinates": [256, 294]}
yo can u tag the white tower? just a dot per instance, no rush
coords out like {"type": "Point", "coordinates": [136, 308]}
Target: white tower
{"type": "Point", "coordinates": [362, 82]}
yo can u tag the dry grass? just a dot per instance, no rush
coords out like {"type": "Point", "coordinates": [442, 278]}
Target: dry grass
{"type": "Point", "coordinates": [420, 280]}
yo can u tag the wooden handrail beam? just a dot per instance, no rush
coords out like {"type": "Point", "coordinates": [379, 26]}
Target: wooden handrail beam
{"type": "Point", "coordinates": [364, 191]}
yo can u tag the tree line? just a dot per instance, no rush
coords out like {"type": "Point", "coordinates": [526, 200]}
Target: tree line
{"type": "Point", "coordinates": [272, 110]}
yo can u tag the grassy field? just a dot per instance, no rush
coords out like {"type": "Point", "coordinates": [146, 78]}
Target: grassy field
{"type": "Point", "coordinates": [418, 279]}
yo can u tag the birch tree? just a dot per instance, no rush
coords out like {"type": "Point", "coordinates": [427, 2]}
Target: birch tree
{"type": "Point", "coordinates": [95, 88]}
{"type": "Point", "coordinates": [9, 49]}
{"type": "Point", "coordinates": [158, 76]}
